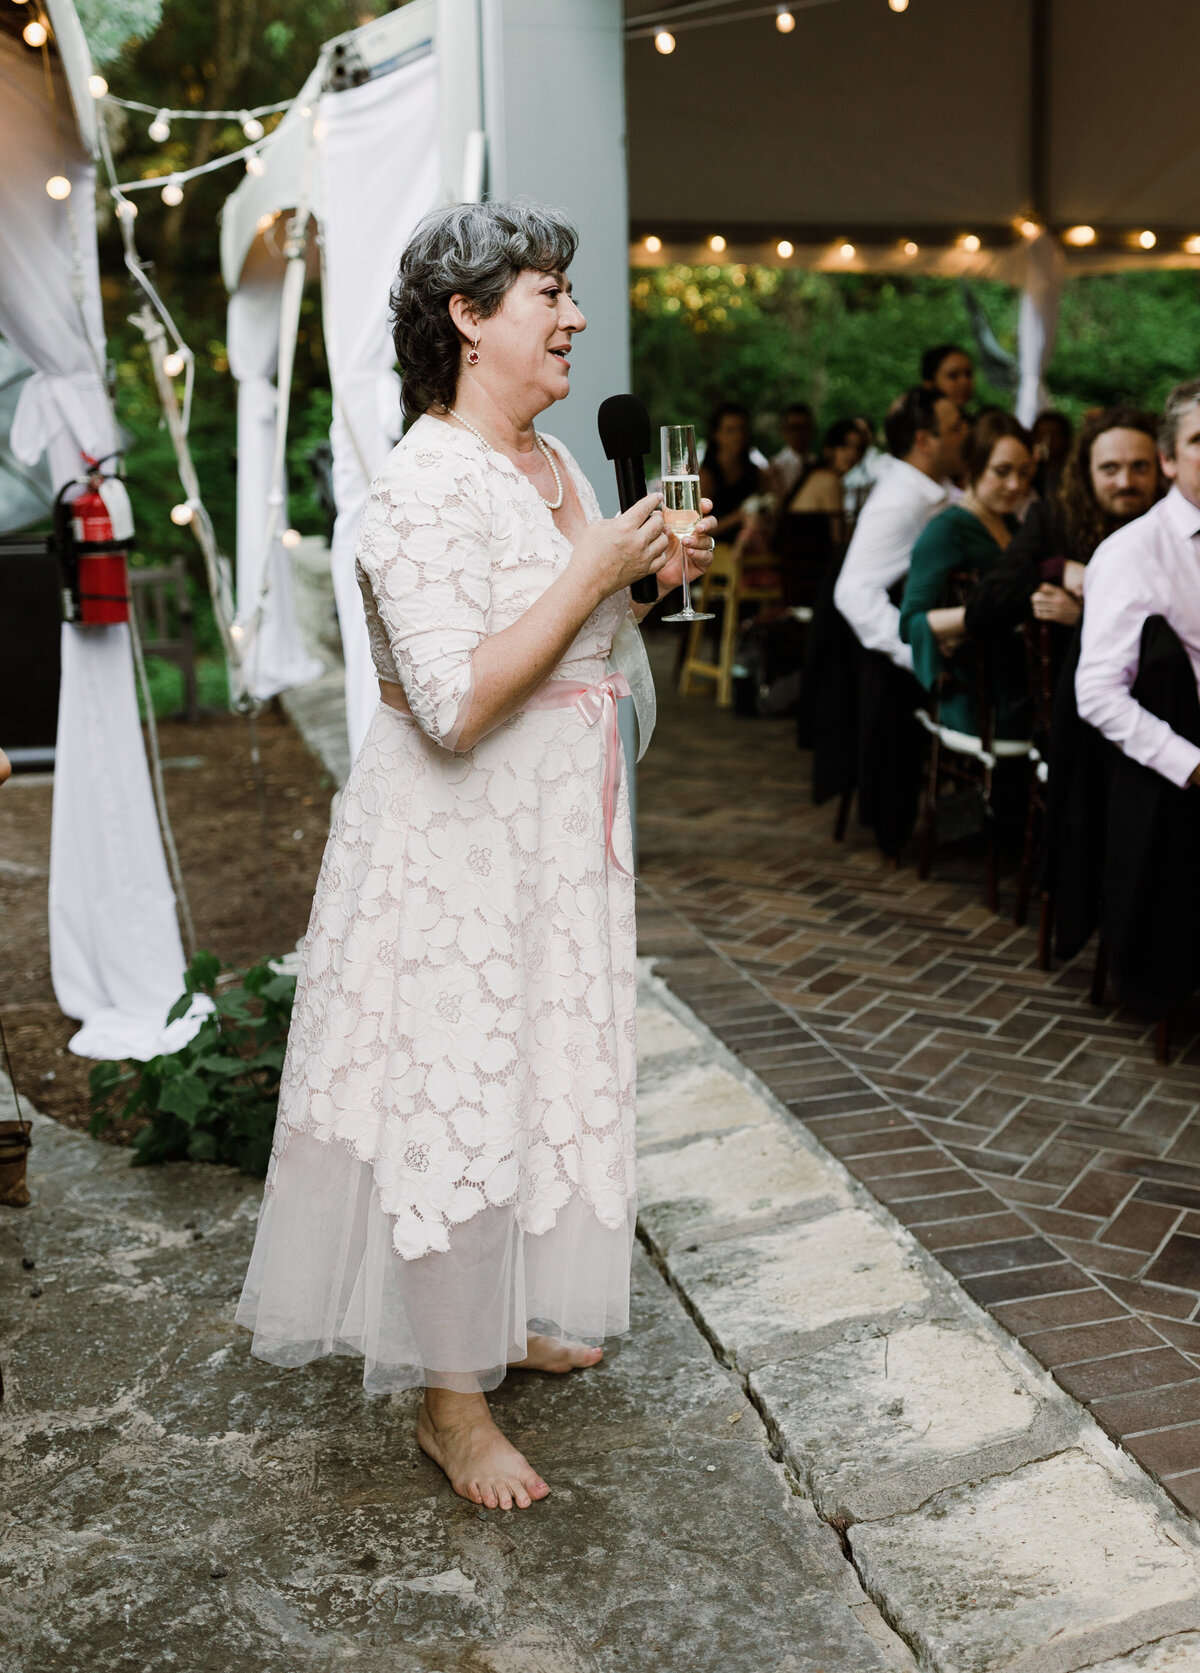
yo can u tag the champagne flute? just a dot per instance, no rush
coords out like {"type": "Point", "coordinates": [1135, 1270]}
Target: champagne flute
{"type": "Point", "coordinates": [681, 503]}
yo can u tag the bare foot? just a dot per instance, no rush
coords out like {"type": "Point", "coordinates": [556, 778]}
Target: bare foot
{"type": "Point", "coordinates": [547, 1354]}
{"type": "Point", "coordinates": [457, 1431]}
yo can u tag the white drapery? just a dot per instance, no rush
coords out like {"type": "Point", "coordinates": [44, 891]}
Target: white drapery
{"type": "Point", "coordinates": [1038, 320]}
{"type": "Point", "coordinates": [275, 657]}
{"type": "Point", "coordinates": [379, 169]}
{"type": "Point", "coordinates": [115, 952]}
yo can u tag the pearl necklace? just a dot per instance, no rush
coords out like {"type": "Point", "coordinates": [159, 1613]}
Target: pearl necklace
{"type": "Point", "coordinates": [552, 505]}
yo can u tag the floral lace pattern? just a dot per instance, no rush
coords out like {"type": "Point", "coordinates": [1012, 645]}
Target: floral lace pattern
{"type": "Point", "coordinates": [465, 1016]}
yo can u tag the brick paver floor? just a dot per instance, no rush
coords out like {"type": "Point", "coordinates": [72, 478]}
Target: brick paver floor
{"type": "Point", "coordinates": [1025, 1136]}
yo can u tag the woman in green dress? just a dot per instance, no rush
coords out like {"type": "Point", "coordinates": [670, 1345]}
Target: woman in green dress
{"type": "Point", "coordinates": [970, 535]}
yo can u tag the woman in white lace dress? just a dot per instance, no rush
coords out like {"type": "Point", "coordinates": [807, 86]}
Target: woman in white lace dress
{"type": "Point", "coordinates": [452, 1186]}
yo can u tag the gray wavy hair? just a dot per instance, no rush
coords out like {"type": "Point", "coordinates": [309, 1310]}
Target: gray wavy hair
{"type": "Point", "coordinates": [477, 250]}
{"type": "Point", "coordinates": [1179, 402]}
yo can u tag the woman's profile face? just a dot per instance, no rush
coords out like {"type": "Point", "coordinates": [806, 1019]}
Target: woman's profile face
{"type": "Point", "coordinates": [955, 378]}
{"type": "Point", "coordinates": [846, 454]}
{"type": "Point", "coordinates": [1004, 485]}
{"type": "Point", "coordinates": [524, 348]}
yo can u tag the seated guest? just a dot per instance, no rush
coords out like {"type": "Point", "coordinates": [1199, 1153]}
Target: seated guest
{"type": "Point", "coordinates": [925, 435]}
{"type": "Point", "coordinates": [811, 529]}
{"type": "Point", "coordinates": [862, 477]}
{"type": "Point", "coordinates": [795, 456]}
{"type": "Point", "coordinates": [728, 474]}
{"type": "Point", "coordinates": [1150, 567]}
{"type": "Point", "coordinates": [1110, 477]}
{"type": "Point", "coordinates": [948, 370]}
{"type": "Point", "coordinates": [969, 537]}
{"type": "Point", "coordinates": [1052, 433]}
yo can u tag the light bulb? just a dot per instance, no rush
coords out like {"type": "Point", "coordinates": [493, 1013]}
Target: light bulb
{"type": "Point", "coordinates": [320, 128]}
{"type": "Point", "coordinates": [847, 252]}
{"type": "Point", "coordinates": [58, 186]}
{"type": "Point", "coordinates": [181, 515]}
{"type": "Point", "coordinates": [1192, 245]}
{"type": "Point", "coordinates": [1028, 229]}
{"type": "Point", "coordinates": [291, 537]}
{"type": "Point", "coordinates": [127, 210]}
{"type": "Point", "coordinates": [160, 128]}
{"type": "Point", "coordinates": [665, 41]}
{"type": "Point", "coordinates": [1079, 236]}
{"type": "Point", "coordinates": [35, 33]}
{"type": "Point", "coordinates": [785, 248]}
{"type": "Point", "coordinates": [898, 5]}
{"type": "Point", "coordinates": [172, 193]}
{"type": "Point", "coordinates": [255, 164]}
{"type": "Point", "coordinates": [784, 21]}
{"type": "Point", "coordinates": [1147, 239]}
{"type": "Point", "coordinates": [173, 363]}
{"type": "Point", "coordinates": [716, 243]}
{"type": "Point", "coordinates": [97, 86]}
{"type": "Point", "coordinates": [969, 242]}
{"type": "Point", "coordinates": [252, 127]}
{"type": "Point", "coordinates": [911, 249]}
{"type": "Point", "coordinates": [265, 222]}
{"type": "Point", "coordinates": [237, 632]}
{"type": "Point", "coordinates": [653, 244]}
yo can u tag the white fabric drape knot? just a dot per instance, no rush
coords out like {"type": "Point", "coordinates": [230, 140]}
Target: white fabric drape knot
{"type": "Point", "coordinates": [53, 403]}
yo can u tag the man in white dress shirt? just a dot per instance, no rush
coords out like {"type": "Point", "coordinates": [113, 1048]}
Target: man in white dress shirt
{"type": "Point", "coordinates": [1151, 567]}
{"type": "Point", "coordinates": [925, 434]}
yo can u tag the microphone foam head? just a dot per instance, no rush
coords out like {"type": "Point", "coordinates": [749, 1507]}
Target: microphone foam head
{"type": "Point", "coordinates": [624, 427]}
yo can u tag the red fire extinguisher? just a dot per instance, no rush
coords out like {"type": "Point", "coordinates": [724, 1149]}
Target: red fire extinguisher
{"type": "Point", "coordinates": [93, 529]}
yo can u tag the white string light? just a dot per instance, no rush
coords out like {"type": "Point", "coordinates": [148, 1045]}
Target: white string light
{"type": "Point", "coordinates": [898, 5]}
{"type": "Point", "coordinates": [716, 243]}
{"type": "Point", "coordinates": [172, 193]}
{"type": "Point", "coordinates": [785, 248]}
{"type": "Point", "coordinates": [58, 187]}
{"type": "Point", "coordinates": [173, 363]}
{"type": "Point", "coordinates": [242, 116]}
{"type": "Point", "coordinates": [255, 164]}
{"type": "Point", "coordinates": [160, 129]}
{"type": "Point", "coordinates": [251, 126]}
{"type": "Point", "coordinates": [785, 22]}
{"type": "Point", "coordinates": [654, 243]}
{"type": "Point", "coordinates": [181, 515]}
{"type": "Point", "coordinates": [664, 41]}
{"type": "Point", "coordinates": [970, 242]}
{"type": "Point", "coordinates": [97, 86]}
{"type": "Point", "coordinates": [291, 538]}
{"type": "Point", "coordinates": [35, 33]}
{"type": "Point", "coordinates": [1147, 239]}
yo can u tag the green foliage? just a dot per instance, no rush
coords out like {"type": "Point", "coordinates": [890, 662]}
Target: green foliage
{"type": "Point", "coordinates": [214, 1100]}
{"type": "Point", "coordinates": [765, 336]}
{"type": "Point", "coordinates": [851, 342]}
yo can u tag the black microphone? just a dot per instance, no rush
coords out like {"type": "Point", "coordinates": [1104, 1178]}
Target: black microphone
{"type": "Point", "coordinates": [625, 436]}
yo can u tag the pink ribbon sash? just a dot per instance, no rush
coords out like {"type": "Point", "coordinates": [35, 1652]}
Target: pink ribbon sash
{"type": "Point", "coordinates": [597, 704]}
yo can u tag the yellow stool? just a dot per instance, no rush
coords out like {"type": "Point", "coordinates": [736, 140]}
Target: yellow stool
{"type": "Point", "coordinates": [723, 580]}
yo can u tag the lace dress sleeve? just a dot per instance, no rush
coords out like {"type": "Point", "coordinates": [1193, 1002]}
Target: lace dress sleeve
{"type": "Point", "coordinates": [423, 546]}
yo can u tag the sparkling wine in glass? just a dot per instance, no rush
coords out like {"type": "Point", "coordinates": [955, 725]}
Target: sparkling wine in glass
{"type": "Point", "coordinates": [681, 502]}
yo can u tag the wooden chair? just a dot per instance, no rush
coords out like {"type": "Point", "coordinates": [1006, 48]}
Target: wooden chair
{"type": "Point", "coordinates": [725, 582]}
{"type": "Point", "coordinates": [158, 594]}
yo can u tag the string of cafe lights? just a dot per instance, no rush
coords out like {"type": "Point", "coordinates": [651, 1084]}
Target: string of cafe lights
{"type": "Point", "coordinates": [664, 29]}
{"type": "Point", "coordinates": [651, 25]}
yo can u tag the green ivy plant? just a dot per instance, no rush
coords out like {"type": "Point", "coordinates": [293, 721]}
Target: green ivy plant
{"type": "Point", "coordinates": [214, 1100]}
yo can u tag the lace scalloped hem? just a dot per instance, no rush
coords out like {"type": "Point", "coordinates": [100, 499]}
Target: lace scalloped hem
{"type": "Point", "coordinates": [324, 1278]}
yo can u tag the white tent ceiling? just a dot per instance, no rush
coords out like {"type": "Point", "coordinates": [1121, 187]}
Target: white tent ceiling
{"type": "Point", "coordinates": [955, 117]}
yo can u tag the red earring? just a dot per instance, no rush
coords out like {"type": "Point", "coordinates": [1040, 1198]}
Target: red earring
{"type": "Point", "coordinates": [473, 353]}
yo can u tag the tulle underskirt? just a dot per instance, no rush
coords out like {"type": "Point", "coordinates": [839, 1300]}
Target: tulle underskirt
{"type": "Point", "coordinates": [324, 1278]}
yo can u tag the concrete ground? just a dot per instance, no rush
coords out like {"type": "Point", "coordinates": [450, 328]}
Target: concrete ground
{"type": "Point", "coordinates": [811, 1454]}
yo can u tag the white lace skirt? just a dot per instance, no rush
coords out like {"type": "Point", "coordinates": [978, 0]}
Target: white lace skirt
{"type": "Point", "coordinates": [324, 1278]}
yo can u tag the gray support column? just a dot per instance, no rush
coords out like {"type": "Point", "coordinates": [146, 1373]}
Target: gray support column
{"type": "Point", "coordinates": [554, 109]}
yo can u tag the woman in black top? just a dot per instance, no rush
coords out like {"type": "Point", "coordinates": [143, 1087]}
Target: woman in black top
{"type": "Point", "coordinates": [728, 475]}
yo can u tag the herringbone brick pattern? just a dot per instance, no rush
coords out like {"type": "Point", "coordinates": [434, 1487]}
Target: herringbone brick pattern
{"type": "Point", "coordinates": [1025, 1136]}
